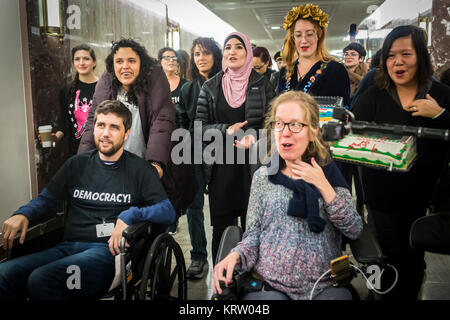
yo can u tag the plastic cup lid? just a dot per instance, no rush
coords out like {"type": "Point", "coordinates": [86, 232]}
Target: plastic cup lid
{"type": "Point", "coordinates": [45, 128]}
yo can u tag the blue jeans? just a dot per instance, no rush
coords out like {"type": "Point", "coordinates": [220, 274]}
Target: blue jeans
{"type": "Point", "coordinates": [196, 220]}
{"type": "Point", "coordinates": [67, 271]}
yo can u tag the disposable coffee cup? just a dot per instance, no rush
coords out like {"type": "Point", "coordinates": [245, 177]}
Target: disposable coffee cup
{"type": "Point", "coordinates": [46, 136]}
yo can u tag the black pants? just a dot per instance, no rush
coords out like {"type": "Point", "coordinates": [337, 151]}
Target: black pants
{"type": "Point", "coordinates": [392, 232]}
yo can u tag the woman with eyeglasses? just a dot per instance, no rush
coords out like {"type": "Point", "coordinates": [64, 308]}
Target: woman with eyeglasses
{"type": "Point", "coordinates": [168, 59]}
{"type": "Point", "coordinates": [297, 215]}
{"type": "Point", "coordinates": [309, 66]}
{"type": "Point", "coordinates": [354, 55]}
{"type": "Point", "coordinates": [234, 100]}
{"type": "Point", "coordinates": [404, 94]}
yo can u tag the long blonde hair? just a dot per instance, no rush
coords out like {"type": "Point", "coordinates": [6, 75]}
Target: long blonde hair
{"type": "Point", "coordinates": [290, 51]}
{"type": "Point", "coordinates": [317, 148]}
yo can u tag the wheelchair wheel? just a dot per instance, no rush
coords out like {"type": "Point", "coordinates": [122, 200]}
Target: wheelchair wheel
{"type": "Point", "coordinates": [164, 273]}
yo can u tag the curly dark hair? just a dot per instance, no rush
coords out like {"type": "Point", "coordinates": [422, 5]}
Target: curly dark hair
{"type": "Point", "coordinates": [162, 50]}
{"type": "Point", "coordinates": [211, 45]}
{"type": "Point", "coordinates": [147, 64]}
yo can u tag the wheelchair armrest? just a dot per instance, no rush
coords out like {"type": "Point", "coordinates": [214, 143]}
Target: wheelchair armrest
{"type": "Point", "coordinates": [42, 228]}
{"type": "Point", "coordinates": [136, 231]}
{"type": "Point", "coordinates": [35, 231]}
{"type": "Point", "coordinates": [230, 238]}
{"type": "Point", "coordinates": [366, 248]}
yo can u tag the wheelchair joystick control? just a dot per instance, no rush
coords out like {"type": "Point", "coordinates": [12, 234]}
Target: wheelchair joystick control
{"type": "Point", "coordinates": [228, 292]}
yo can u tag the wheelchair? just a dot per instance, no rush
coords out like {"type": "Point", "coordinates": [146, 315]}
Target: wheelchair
{"type": "Point", "coordinates": [152, 268]}
{"type": "Point", "coordinates": [366, 251]}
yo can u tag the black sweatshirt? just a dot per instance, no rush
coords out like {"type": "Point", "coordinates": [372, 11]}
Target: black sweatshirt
{"type": "Point", "coordinates": [404, 192]}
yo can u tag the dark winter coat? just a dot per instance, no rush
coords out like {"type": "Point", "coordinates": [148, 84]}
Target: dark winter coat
{"type": "Point", "coordinates": [259, 94]}
{"type": "Point", "coordinates": [155, 108]}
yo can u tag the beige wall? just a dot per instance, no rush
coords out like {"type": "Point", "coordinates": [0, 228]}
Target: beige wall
{"type": "Point", "coordinates": [15, 187]}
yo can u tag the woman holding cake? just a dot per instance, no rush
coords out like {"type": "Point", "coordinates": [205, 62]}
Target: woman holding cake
{"type": "Point", "coordinates": [309, 66]}
{"type": "Point", "coordinates": [405, 94]}
{"type": "Point", "coordinates": [297, 215]}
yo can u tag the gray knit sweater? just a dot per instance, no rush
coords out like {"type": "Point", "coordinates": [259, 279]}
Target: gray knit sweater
{"type": "Point", "coordinates": [282, 249]}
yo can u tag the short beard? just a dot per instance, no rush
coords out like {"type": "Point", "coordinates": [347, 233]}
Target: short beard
{"type": "Point", "coordinates": [112, 151]}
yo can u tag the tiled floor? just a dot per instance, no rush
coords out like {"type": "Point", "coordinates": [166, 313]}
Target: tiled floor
{"type": "Point", "coordinates": [436, 285]}
{"type": "Point", "coordinates": [198, 289]}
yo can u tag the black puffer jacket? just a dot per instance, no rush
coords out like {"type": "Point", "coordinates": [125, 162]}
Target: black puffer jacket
{"type": "Point", "coordinates": [259, 94]}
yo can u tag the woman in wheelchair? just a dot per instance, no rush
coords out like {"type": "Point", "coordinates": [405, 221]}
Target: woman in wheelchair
{"type": "Point", "coordinates": [295, 217]}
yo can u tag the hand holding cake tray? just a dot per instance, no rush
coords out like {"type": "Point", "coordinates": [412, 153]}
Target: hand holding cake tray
{"type": "Point", "coordinates": [380, 145]}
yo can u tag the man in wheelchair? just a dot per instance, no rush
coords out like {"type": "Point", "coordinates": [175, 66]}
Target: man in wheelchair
{"type": "Point", "coordinates": [106, 190]}
{"type": "Point", "coordinates": [296, 217]}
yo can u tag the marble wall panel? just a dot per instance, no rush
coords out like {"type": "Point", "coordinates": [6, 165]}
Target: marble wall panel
{"type": "Point", "coordinates": [440, 33]}
{"type": "Point", "coordinates": [100, 23]}
{"type": "Point", "coordinates": [49, 66]}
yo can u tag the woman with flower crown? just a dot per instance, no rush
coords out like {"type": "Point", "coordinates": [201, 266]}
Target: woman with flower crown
{"type": "Point", "coordinates": [309, 66]}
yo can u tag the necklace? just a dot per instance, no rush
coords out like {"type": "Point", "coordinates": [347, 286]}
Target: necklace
{"type": "Point", "coordinates": [301, 75]}
{"type": "Point", "coordinates": [313, 78]}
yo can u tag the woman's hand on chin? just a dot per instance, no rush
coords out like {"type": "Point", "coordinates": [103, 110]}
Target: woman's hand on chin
{"type": "Point", "coordinates": [313, 174]}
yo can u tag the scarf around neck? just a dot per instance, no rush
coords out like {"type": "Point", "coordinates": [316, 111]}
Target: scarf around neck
{"type": "Point", "coordinates": [235, 82]}
{"type": "Point", "coordinates": [305, 202]}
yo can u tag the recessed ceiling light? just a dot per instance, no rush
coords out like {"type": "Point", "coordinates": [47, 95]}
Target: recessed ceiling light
{"type": "Point", "coordinates": [275, 27]}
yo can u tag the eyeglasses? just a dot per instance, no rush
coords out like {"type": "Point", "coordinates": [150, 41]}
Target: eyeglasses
{"type": "Point", "coordinates": [352, 54]}
{"type": "Point", "coordinates": [168, 58]}
{"type": "Point", "coordinates": [258, 67]}
{"type": "Point", "coordinates": [308, 36]}
{"type": "Point", "coordinates": [294, 127]}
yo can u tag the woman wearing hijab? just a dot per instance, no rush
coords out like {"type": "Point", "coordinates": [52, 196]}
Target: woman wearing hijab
{"type": "Point", "coordinates": [235, 98]}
